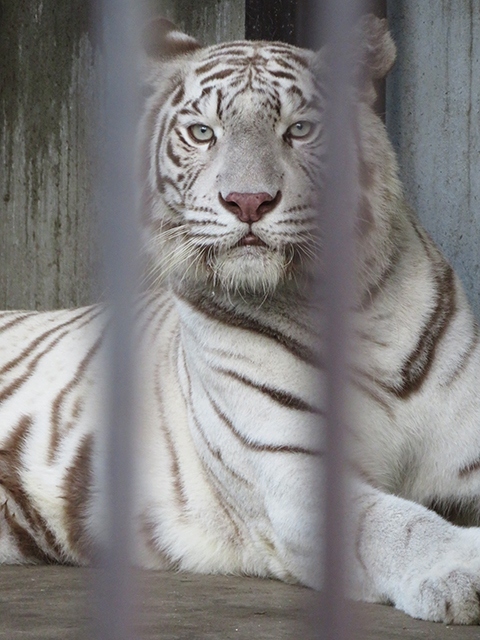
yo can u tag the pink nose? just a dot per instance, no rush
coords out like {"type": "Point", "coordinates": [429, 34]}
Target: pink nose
{"type": "Point", "coordinates": [250, 207]}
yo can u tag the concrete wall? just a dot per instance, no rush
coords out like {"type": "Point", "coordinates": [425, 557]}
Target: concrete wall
{"type": "Point", "coordinates": [46, 73]}
{"type": "Point", "coordinates": [49, 87]}
{"type": "Point", "coordinates": [433, 115]}
{"type": "Point", "coordinates": [210, 21]}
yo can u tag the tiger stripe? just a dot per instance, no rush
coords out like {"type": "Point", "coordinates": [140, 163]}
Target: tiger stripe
{"type": "Point", "coordinates": [280, 397]}
{"type": "Point", "coordinates": [249, 323]}
{"type": "Point", "coordinates": [252, 444]}
{"type": "Point", "coordinates": [59, 401]}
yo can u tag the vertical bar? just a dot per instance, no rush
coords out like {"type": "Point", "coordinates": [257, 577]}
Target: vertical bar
{"type": "Point", "coordinates": [112, 589]}
{"type": "Point", "coordinates": [339, 203]}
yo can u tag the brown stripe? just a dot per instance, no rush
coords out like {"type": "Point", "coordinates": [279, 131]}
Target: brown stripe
{"type": "Point", "coordinates": [11, 465]}
{"type": "Point", "coordinates": [17, 320]}
{"type": "Point", "coordinates": [178, 484]}
{"type": "Point", "coordinates": [39, 339]}
{"type": "Point", "coordinates": [219, 107]}
{"type": "Point", "coordinates": [233, 318]}
{"type": "Point", "coordinates": [293, 90]}
{"type": "Point", "coordinates": [192, 179]}
{"type": "Point", "coordinates": [282, 74]}
{"type": "Point", "coordinates": [172, 155]}
{"type": "Point", "coordinates": [77, 493]}
{"type": "Point", "coordinates": [376, 397]}
{"type": "Point", "coordinates": [148, 528]}
{"type": "Point", "coordinates": [418, 364]}
{"type": "Point", "coordinates": [158, 307]}
{"type": "Point", "coordinates": [282, 398]}
{"type": "Point", "coordinates": [257, 446]}
{"type": "Point", "coordinates": [230, 511]}
{"type": "Point", "coordinates": [178, 95]}
{"type": "Point", "coordinates": [215, 452]}
{"type": "Point", "coordinates": [285, 64]}
{"type": "Point", "coordinates": [57, 404]}
{"type": "Point", "coordinates": [17, 383]}
{"type": "Point", "coordinates": [208, 66]}
{"type": "Point", "coordinates": [165, 129]}
{"type": "Point", "coordinates": [215, 481]}
{"type": "Point", "coordinates": [220, 75]}
{"type": "Point", "coordinates": [234, 48]}
{"type": "Point", "coordinates": [377, 287]}
{"type": "Point", "coordinates": [24, 540]}
{"type": "Point", "coordinates": [164, 180]}
{"type": "Point", "coordinates": [288, 53]}
{"type": "Point", "coordinates": [469, 468]}
{"type": "Point", "coordinates": [160, 315]}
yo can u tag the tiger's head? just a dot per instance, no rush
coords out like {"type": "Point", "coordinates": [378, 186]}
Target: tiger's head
{"type": "Point", "coordinates": [233, 152]}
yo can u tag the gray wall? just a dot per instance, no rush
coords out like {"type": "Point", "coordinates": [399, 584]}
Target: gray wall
{"type": "Point", "coordinates": [49, 88]}
{"type": "Point", "coordinates": [433, 115]}
{"type": "Point", "coordinates": [210, 21]}
{"type": "Point", "coordinates": [46, 73]}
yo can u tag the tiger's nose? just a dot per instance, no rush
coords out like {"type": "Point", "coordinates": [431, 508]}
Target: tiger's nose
{"type": "Point", "coordinates": [250, 207]}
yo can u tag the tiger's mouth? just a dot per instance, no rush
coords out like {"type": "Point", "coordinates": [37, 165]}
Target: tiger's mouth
{"type": "Point", "coordinates": [251, 240]}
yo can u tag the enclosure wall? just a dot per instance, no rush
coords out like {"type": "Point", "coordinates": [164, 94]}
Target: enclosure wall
{"type": "Point", "coordinates": [433, 117]}
{"type": "Point", "coordinates": [47, 64]}
{"type": "Point", "coordinates": [50, 62]}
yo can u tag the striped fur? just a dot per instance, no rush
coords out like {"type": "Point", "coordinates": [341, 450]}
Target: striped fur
{"type": "Point", "coordinates": [229, 425]}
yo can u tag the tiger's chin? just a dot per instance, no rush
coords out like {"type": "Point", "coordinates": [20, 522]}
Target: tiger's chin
{"type": "Point", "coordinates": [250, 270]}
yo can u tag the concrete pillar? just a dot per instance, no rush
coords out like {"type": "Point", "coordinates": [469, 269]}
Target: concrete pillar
{"type": "Point", "coordinates": [433, 116]}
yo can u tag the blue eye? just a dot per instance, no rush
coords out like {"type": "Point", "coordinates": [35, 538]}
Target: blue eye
{"type": "Point", "coordinates": [201, 132]}
{"type": "Point", "coordinates": [300, 129]}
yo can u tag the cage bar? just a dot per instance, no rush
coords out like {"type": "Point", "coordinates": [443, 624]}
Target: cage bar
{"type": "Point", "coordinates": [336, 213]}
{"type": "Point", "coordinates": [112, 590]}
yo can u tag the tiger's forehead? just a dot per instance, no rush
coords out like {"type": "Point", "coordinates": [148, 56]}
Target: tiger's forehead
{"type": "Point", "coordinates": [273, 74]}
{"type": "Point", "coordinates": [274, 62]}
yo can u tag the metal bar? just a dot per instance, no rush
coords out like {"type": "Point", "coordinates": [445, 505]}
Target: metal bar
{"type": "Point", "coordinates": [112, 589]}
{"type": "Point", "coordinates": [339, 203]}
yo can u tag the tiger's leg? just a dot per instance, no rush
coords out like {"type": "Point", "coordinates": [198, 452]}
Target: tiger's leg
{"type": "Point", "coordinates": [406, 554]}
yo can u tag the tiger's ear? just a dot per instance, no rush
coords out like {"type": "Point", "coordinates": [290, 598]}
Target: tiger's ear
{"type": "Point", "coordinates": [374, 55]}
{"type": "Point", "coordinates": [377, 49]}
{"type": "Point", "coordinates": [162, 40]}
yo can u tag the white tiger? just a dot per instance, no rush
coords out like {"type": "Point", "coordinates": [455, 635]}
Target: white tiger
{"type": "Point", "coordinates": [232, 142]}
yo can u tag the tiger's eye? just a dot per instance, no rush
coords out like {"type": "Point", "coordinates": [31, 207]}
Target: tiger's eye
{"type": "Point", "coordinates": [300, 129]}
{"type": "Point", "coordinates": [201, 133]}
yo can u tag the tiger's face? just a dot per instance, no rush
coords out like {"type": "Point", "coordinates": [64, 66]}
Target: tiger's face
{"type": "Point", "coordinates": [233, 153]}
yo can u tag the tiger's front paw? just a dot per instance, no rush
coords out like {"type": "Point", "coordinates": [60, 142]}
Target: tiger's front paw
{"type": "Point", "coordinates": [450, 595]}
{"type": "Point", "coordinates": [449, 590]}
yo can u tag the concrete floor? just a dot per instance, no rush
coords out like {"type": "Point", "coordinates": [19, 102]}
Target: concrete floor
{"type": "Point", "coordinates": [49, 602]}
